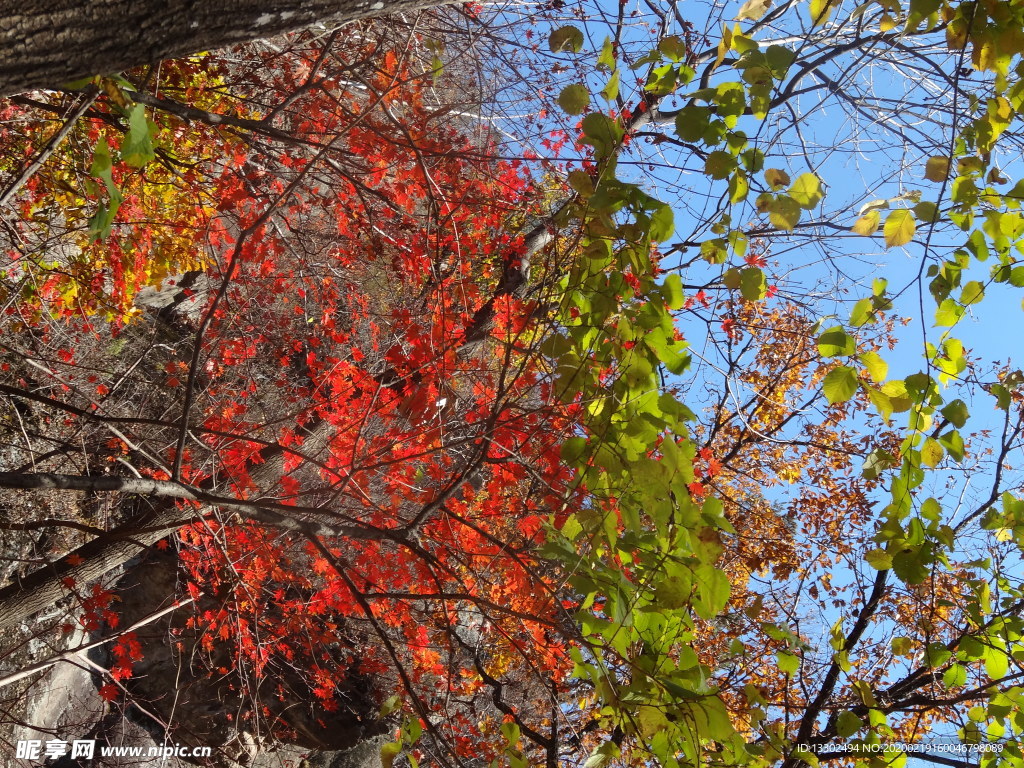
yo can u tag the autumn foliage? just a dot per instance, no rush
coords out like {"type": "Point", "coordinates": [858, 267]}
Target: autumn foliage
{"type": "Point", "coordinates": [382, 427]}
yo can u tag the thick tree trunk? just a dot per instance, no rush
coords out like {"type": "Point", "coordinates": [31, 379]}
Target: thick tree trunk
{"type": "Point", "coordinates": [44, 43]}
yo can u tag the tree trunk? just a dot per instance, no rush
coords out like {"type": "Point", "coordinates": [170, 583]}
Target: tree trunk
{"type": "Point", "coordinates": [46, 43]}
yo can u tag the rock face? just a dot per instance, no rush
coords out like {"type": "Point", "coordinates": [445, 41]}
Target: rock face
{"type": "Point", "coordinates": [177, 703]}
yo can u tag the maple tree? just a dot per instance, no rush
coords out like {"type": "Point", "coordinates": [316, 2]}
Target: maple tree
{"type": "Point", "coordinates": [427, 441]}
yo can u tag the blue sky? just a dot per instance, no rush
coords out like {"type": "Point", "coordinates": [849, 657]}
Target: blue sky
{"type": "Point", "coordinates": [871, 118]}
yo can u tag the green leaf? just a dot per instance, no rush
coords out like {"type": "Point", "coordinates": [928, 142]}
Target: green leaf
{"type": "Point", "coordinates": [101, 161]}
{"type": "Point", "coordinates": [779, 59]}
{"type": "Point", "coordinates": [883, 404]}
{"type": "Point", "coordinates": [719, 164]}
{"type": "Point", "coordinates": [912, 564]}
{"type": "Point", "coordinates": [601, 132]}
{"type": "Point", "coordinates": [848, 724]}
{"type": "Point", "coordinates": [731, 278]}
{"type": "Point", "coordinates": [389, 752]}
{"type": "Point", "coordinates": [957, 413]}
{"type": "Point", "coordinates": [878, 559]}
{"type": "Point", "coordinates": [996, 663]}
{"type": "Point", "coordinates": [662, 224]}
{"type": "Point", "coordinates": [899, 228]}
{"type": "Point", "coordinates": [836, 342]}
{"type": "Point", "coordinates": [574, 99]}
{"type": "Point", "coordinates": [927, 211]}
{"type": "Point", "coordinates": [876, 367]}
{"type": "Point", "coordinates": [840, 384]}
{"type": "Point", "coordinates": [603, 755]}
{"type": "Point", "coordinates": [673, 47]}
{"type": "Point", "coordinates": [692, 123]}
{"type": "Point", "coordinates": [788, 663]}
{"type": "Point", "coordinates": [573, 450]}
{"type": "Point", "coordinates": [1002, 396]}
{"type": "Point", "coordinates": [862, 312]}
{"type": "Point", "coordinates": [973, 293]}
{"type": "Point", "coordinates": [606, 59]}
{"type": "Point", "coordinates": [650, 720]}
{"type": "Point", "coordinates": [712, 588]}
{"type": "Point", "coordinates": [784, 212]}
{"type": "Point", "coordinates": [611, 88]}
{"type": "Point", "coordinates": [806, 190]}
{"type": "Point", "coordinates": [954, 445]}
{"type": "Point", "coordinates": [753, 285]}
{"type": "Point", "coordinates": [390, 704]}
{"type": "Point", "coordinates": [672, 292]}
{"type": "Point", "coordinates": [581, 183]}
{"type": "Point", "coordinates": [955, 676]}
{"type": "Point", "coordinates": [675, 588]}
{"type": "Point", "coordinates": [877, 462]}
{"type": "Point", "coordinates": [731, 101]}
{"type": "Point", "coordinates": [738, 188]}
{"type": "Point", "coordinates": [137, 148]}
{"type": "Point", "coordinates": [101, 223]}
{"type": "Point", "coordinates": [901, 646]}
{"type": "Point", "coordinates": [566, 39]}
{"type": "Point", "coordinates": [948, 313]}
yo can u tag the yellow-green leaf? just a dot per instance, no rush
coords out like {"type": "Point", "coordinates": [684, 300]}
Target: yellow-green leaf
{"type": "Point", "coordinates": [784, 212]}
{"type": "Point", "coordinates": [899, 227]}
{"type": "Point", "coordinates": [973, 293]}
{"type": "Point", "coordinates": [806, 190]}
{"type": "Point", "coordinates": [878, 559]}
{"type": "Point", "coordinates": [566, 39]}
{"type": "Point", "coordinates": [574, 99]}
{"type": "Point", "coordinates": [848, 724]}
{"type": "Point", "coordinates": [788, 663]}
{"type": "Point", "coordinates": [877, 367]}
{"type": "Point", "coordinates": [840, 384]}
{"type": "Point", "coordinates": [753, 285]}
{"type": "Point", "coordinates": [836, 342]}
{"type": "Point", "coordinates": [936, 169]}
{"type": "Point", "coordinates": [389, 752]}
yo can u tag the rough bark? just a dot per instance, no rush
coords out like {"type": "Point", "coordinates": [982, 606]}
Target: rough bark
{"type": "Point", "coordinates": [45, 43]}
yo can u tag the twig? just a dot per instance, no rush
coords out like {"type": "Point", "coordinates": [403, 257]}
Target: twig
{"type": "Point", "coordinates": [86, 101]}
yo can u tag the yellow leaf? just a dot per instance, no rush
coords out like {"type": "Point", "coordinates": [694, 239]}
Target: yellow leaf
{"type": "Point", "coordinates": [754, 9]}
{"type": "Point", "coordinates": [776, 178]}
{"type": "Point", "coordinates": [937, 169]}
{"type": "Point", "coordinates": [931, 453]}
{"type": "Point", "coordinates": [723, 46]}
{"type": "Point", "coordinates": [899, 227]}
{"type": "Point", "coordinates": [819, 10]}
{"type": "Point", "coordinates": [866, 224]}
